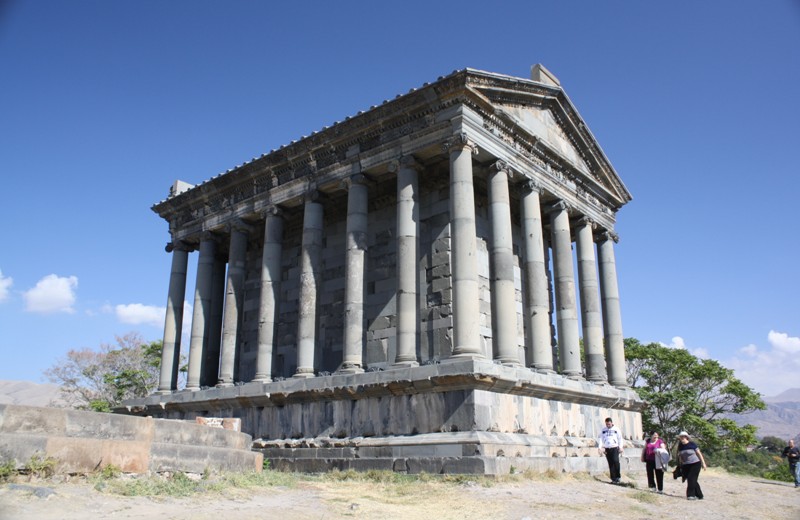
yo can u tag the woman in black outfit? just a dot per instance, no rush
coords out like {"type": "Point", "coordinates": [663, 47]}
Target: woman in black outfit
{"type": "Point", "coordinates": [691, 461]}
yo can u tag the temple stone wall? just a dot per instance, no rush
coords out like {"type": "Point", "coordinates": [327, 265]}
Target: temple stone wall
{"type": "Point", "coordinates": [435, 287]}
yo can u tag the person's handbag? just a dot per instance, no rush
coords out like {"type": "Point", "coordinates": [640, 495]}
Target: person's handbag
{"type": "Point", "coordinates": [662, 459]}
{"type": "Point", "coordinates": [677, 472]}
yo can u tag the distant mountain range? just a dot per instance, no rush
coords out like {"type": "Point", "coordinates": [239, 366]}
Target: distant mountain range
{"type": "Point", "coordinates": [28, 393]}
{"type": "Point", "coordinates": [780, 419]}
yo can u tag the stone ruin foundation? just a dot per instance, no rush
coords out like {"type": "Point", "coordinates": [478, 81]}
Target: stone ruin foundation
{"type": "Point", "coordinates": [399, 290]}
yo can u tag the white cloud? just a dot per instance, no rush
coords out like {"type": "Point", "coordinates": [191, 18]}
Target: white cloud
{"type": "Point", "coordinates": [52, 294]}
{"type": "Point", "coordinates": [783, 342]}
{"type": "Point", "coordinates": [677, 342]}
{"type": "Point", "coordinates": [5, 284]}
{"type": "Point", "coordinates": [137, 314]}
{"type": "Point", "coordinates": [771, 370]}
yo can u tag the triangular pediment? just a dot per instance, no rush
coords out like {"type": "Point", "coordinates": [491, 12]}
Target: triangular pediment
{"type": "Point", "coordinates": [541, 113]}
{"type": "Point", "coordinates": [541, 123]}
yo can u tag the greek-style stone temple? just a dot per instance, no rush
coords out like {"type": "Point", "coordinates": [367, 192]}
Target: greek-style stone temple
{"type": "Point", "coordinates": [399, 290]}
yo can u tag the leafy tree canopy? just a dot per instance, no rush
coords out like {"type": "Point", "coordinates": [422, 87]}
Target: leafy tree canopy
{"type": "Point", "coordinates": [684, 392]}
{"type": "Point", "coordinates": [101, 379]}
{"type": "Point", "coordinates": [774, 444]}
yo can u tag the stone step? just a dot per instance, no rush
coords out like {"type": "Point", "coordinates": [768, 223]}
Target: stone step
{"type": "Point", "coordinates": [82, 442]}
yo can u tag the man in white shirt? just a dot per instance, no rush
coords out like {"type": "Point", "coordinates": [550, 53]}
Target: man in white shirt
{"type": "Point", "coordinates": [610, 443]}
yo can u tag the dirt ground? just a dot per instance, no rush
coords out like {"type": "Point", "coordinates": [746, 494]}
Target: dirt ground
{"type": "Point", "coordinates": [566, 497]}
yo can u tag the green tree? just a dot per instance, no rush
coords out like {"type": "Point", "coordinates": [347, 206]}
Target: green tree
{"type": "Point", "coordinates": [101, 379]}
{"type": "Point", "coordinates": [684, 392]}
{"type": "Point", "coordinates": [773, 444]}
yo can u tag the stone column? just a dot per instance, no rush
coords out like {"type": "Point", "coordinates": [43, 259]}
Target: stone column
{"type": "Point", "coordinates": [466, 311]}
{"type": "Point", "coordinates": [569, 353]}
{"type": "Point", "coordinates": [270, 292]}
{"type": "Point", "coordinates": [612, 317]}
{"type": "Point", "coordinates": [551, 298]}
{"type": "Point", "coordinates": [504, 302]}
{"type": "Point", "coordinates": [407, 260]}
{"type": "Point", "coordinates": [173, 322]}
{"type": "Point", "coordinates": [537, 303]}
{"type": "Point", "coordinates": [310, 264]}
{"type": "Point", "coordinates": [210, 371]}
{"type": "Point", "coordinates": [202, 310]}
{"type": "Point", "coordinates": [356, 243]}
{"type": "Point", "coordinates": [591, 316]}
{"type": "Point", "coordinates": [234, 297]}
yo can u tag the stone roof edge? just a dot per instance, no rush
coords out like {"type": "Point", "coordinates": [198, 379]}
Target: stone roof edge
{"type": "Point", "coordinates": [334, 128]}
{"type": "Point", "coordinates": [339, 129]}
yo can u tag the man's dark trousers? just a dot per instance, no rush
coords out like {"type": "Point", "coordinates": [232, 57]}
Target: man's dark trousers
{"type": "Point", "coordinates": [612, 456]}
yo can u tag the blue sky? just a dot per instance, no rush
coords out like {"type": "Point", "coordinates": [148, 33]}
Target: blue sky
{"type": "Point", "coordinates": [104, 104]}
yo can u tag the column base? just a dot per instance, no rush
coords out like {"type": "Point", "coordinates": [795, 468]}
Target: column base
{"type": "Point", "coordinates": [262, 379]}
{"type": "Point", "coordinates": [224, 384]}
{"type": "Point", "coordinates": [509, 362]}
{"type": "Point", "coordinates": [542, 369]}
{"type": "Point", "coordinates": [404, 364]}
{"type": "Point", "coordinates": [467, 356]}
{"type": "Point", "coordinates": [350, 368]}
{"type": "Point", "coordinates": [304, 373]}
{"type": "Point", "coordinates": [192, 389]}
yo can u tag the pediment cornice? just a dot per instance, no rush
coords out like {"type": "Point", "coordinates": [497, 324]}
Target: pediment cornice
{"type": "Point", "coordinates": [501, 91]}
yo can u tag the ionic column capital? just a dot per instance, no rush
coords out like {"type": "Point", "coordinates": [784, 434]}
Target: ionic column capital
{"type": "Point", "coordinates": [530, 186]}
{"type": "Point", "coordinates": [500, 166]}
{"type": "Point", "coordinates": [460, 141]}
{"type": "Point", "coordinates": [271, 211]}
{"type": "Point", "coordinates": [605, 235]}
{"type": "Point", "coordinates": [558, 206]}
{"type": "Point", "coordinates": [586, 221]}
{"type": "Point", "coordinates": [356, 178]}
{"type": "Point", "coordinates": [178, 245]}
{"type": "Point", "coordinates": [406, 161]}
{"type": "Point", "coordinates": [206, 236]}
{"type": "Point", "coordinates": [312, 194]}
{"type": "Point", "coordinates": [239, 225]}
